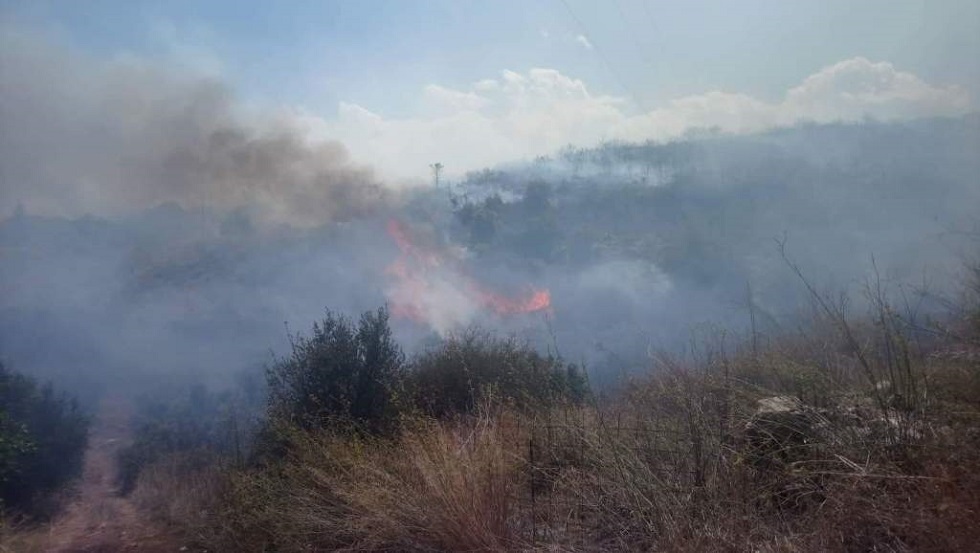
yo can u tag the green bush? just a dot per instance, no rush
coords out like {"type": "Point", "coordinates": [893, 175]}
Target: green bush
{"type": "Point", "coordinates": [342, 372]}
{"type": "Point", "coordinates": [467, 368]}
{"type": "Point", "coordinates": [42, 442]}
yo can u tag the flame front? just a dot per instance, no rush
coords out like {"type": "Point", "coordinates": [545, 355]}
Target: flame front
{"type": "Point", "coordinates": [430, 287]}
{"type": "Point", "coordinates": [502, 305]}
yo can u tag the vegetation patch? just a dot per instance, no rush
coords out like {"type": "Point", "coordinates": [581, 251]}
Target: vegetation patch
{"type": "Point", "coordinates": [43, 435]}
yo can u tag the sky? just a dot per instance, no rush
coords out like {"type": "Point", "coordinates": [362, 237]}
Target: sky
{"type": "Point", "coordinates": [403, 84]}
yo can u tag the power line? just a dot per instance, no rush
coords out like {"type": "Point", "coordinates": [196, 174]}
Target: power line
{"type": "Point", "coordinates": [637, 43]}
{"type": "Point", "coordinates": [602, 58]}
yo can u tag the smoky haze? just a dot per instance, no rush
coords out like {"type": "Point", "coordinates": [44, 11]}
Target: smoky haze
{"type": "Point", "coordinates": [82, 136]}
{"type": "Point", "coordinates": [155, 226]}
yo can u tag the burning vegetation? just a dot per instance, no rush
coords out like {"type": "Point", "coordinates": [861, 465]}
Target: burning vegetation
{"type": "Point", "coordinates": [736, 320]}
{"type": "Point", "coordinates": [625, 423]}
{"type": "Point", "coordinates": [430, 286]}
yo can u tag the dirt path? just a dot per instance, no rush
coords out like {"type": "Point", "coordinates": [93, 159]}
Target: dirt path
{"type": "Point", "coordinates": [98, 520]}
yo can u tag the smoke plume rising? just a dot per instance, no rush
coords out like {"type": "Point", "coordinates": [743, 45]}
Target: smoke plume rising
{"type": "Point", "coordinates": [87, 136]}
{"type": "Point", "coordinates": [166, 229]}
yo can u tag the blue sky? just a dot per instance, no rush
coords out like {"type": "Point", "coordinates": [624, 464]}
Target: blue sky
{"type": "Point", "coordinates": [381, 55]}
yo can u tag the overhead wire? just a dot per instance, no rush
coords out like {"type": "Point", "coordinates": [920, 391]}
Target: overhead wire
{"type": "Point", "coordinates": [638, 44]}
{"type": "Point", "coordinates": [602, 57]}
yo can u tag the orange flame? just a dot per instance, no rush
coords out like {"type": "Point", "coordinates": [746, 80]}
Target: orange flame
{"type": "Point", "coordinates": [502, 305]}
{"type": "Point", "coordinates": [426, 283]}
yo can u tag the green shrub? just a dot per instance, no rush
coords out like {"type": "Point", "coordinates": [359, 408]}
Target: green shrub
{"type": "Point", "coordinates": [467, 368]}
{"type": "Point", "coordinates": [342, 371]}
{"type": "Point", "coordinates": [42, 442]}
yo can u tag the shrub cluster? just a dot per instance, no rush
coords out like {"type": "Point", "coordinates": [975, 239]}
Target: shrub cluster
{"type": "Point", "coordinates": [342, 371]}
{"type": "Point", "coordinates": [43, 436]}
{"type": "Point", "coordinates": [472, 367]}
{"type": "Point", "coordinates": [852, 436]}
{"type": "Point", "coordinates": [359, 375]}
{"type": "Point", "coordinates": [345, 376]}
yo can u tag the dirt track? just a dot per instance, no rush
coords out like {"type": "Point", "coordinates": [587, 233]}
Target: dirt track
{"type": "Point", "coordinates": [98, 520]}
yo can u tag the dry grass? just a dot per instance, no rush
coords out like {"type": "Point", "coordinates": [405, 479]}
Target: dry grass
{"type": "Point", "coordinates": [581, 480]}
{"type": "Point", "coordinates": [181, 491]}
{"type": "Point", "coordinates": [878, 451]}
{"type": "Point", "coordinates": [444, 487]}
{"type": "Point", "coordinates": [437, 487]}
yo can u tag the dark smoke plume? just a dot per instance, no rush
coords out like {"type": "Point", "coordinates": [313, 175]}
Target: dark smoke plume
{"type": "Point", "coordinates": [82, 136]}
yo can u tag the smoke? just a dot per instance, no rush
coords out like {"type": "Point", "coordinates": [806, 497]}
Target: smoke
{"type": "Point", "coordinates": [642, 243]}
{"type": "Point", "coordinates": [520, 115]}
{"type": "Point", "coordinates": [430, 286]}
{"type": "Point", "coordinates": [87, 136]}
{"type": "Point", "coordinates": [166, 229]}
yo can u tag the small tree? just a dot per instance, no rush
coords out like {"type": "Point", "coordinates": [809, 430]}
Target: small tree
{"type": "Point", "coordinates": [341, 371]}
